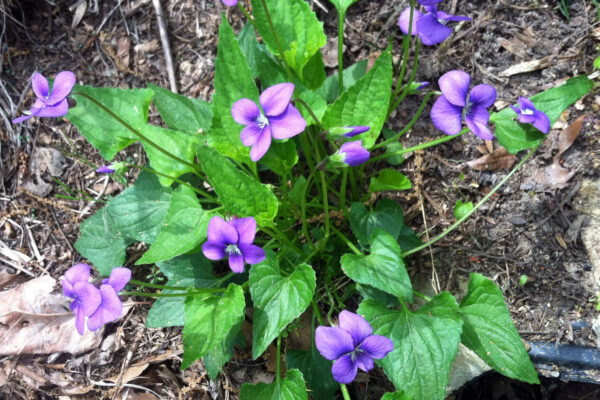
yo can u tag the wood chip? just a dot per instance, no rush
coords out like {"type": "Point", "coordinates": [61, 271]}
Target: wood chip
{"type": "Point", "coordinates": [528, 66]}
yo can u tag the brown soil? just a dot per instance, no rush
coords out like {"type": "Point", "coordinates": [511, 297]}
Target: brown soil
{"type": "Point", "coordinates": [527, 230]}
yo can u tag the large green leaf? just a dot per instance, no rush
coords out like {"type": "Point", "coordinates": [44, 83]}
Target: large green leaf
{"type": "Point", "coordinates": [279, 296]}
{"type": "Point", "coordinates": [100, 129]}
{"type": "Point", "coordinates": [316, 370]}
{"type": "Point", "coordinates": [138, 212]}
{"type": "Point", "coordinates": [387, 216]}
{"type": "Point", "coordinates": [233, 81]}
{"type": "Point", "coordinates": [281, 157]}
{"type": "Point", "coordinates": [189, 270]}
{"type": "Point", "coordinates": [383, 268]}
{"type": "Point", "coordinates": [99, 244]}
{"type": "Point", "coordinates": [182, 113]}
{"type": "Point", "coordinates": [261, 62]}
{"type": "Point", "coordinates": [389, 179]}
{"type": "Point", "coordinates": [489, 331]}
{"type": "Point", "coordinates": [290, 388]}
{"type": "Point", "coordinates": [178, 143]}
{"type": "Point", "coordinates": [184, 228]}
{"type": "Point", "coordinates": [364, 103]}
{"type": "Point", "coordinates": [425, 343]}
{"type": "Point", "coordinates": [515, 137]}
{"type": "Point", "coordinates": [330, 90]}
{"type": "Point", "coordinates": [220, 354]}
{"type": "Point", "coordinates": [300, 32]}
{"type": "Point", "coordinates": [239, 193]}
{"type": "Point", "coordinates": [314, 71]}
{"type": "Point", "coordinates": [396, 396]}
{"type": "Point", "coordinates": [208, 321]}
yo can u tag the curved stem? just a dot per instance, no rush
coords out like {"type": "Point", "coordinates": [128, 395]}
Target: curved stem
{"type": "Point", "coordinates": [406, 44]}
{"type": "Point", "coordinates": [155, 286]}
{"type": "Point", "coordinates": [343, 192]}
{"type": "Point", "coordinates": [248, 17]}
{"type": "Point", "coordinates": [276, 38]}
{"type": "Point", "coordinates": [276, 233]}
{"type": "Point", "coordinates": [303, 210]}
{"type": "Point", "coordinates": [345, 393]}
{"type": "Point", "coordinates": [183, 294]}
{"type": "Point", "coordinates": [310, 111]}
{"type": "Point", "coordinates": [140, 136]}
{"type": "Point", "coordinates": [341, 17]}
{"type": "Point", "coordinates": [278, 361]}
{"type": "Point", "coordinates": [417, 147]}
{"type": "Point", "coordinates": [467, 215]}
{"type": "Point", "coordinates": [348, 242]}
{"type": "Point", "coordinates": [316, 311]}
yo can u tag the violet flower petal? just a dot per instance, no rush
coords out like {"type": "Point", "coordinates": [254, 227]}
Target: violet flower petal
{"type": "Point", "coordinates": [333, 342]}
{"type": "Point", "coordinates": [377, 346]}
{"type": "Point", "coordinates": [214, 250]}
{"type": "Point", "coordinates": [364, 362]}
{"type": "Point", "coordinates": [275, 99]}
{"type": "Point", "coordinates": [230, 3]}
{"type": "Point", "coordinates": [446, 117]}
{"type": "Point", "coordinates": [287, 124]}
{"type": "Point", "coordinates": [354, 153]}
{"type": "Point", "coordinates": [441, 15]}
{"type": "Point", "coordinates": [79, 320]}
{"type": "Point", "coordinates": [245, 112]}
{"type": "Point", "coordinates": [236, 263]}
{"type": "Point", "coordinates": [250, 134]}
{"type": "Point", "coordinates": [482, 95]}
{"type": "Point", "coordinates": [355, 325]}
{"type": "Point", "coordinates": [63, 84]}
{"type": "Point", "coordinates": [119, 277]}
{"type": "Point", "coordinates": [88, 296]}
{"type": "Point", "coordinates": [429, 2]}
{"type": "Point", "coordinates": [431, 31]}
{"type": "Point", "coordinates": [356, 130]}
{"type": "Point", "coordinates": [526, 118]}
{"type": "Point", "coordinates": [252, 253]}
{"type": "Point", "coordinates": [477, 120]}
{"type": "Point", "coordinates": [344, 370]}
{"type": "Point", "coordinates": [78, 273]}
{"type": "Point", "coordinates": [455, 86]}
{"type": "Point", "coordinates": [22, 118]}
{"type": "Point", "coordinates": [541, 121]}
{"type": "Point", "coordinates": [67, 288]}
{"type": "Point", "coordinates": [262, 144]}
{"type": "Point", "coordinates": [221, 232]}
{"type": "Point", "coordinates": [40, 86]}
{"type": "Point", "coordinates": [110, 309]}
{"type": "Point", "coordinates": [246, 229]}
{"type": "Point", "coordinates": [105, 169]}
{"type": "Point", "coordinates": [405, 19]}
{"type": "Point", "coordinates": [525, 103]}
{"type": "Point", "coordinates": [57, 110]}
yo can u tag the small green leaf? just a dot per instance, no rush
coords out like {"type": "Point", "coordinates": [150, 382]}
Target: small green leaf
{"type": "Point", "coordinates": [364, 103]}
{"type": "Point", "coordinates": [183, 229]}
{"type": "Point", "coordinates": [290, 388]}
{"type": "Point", "coordinates": [314, 71]}
{"type": "Point", "coordinates": [261, 62]}
{"type": "Point", "coordinates": [383, 268]}
{"type": "Point", "coordinates": [239, 193]}
{"type": "Point", "coordinates": [515, 137]}
{"type": "Point", "coordinates": [316, 370]}
{"type": "Point", "coordinates": [208, 321]}
{"type": "Point", "coordinates": [389, 179]}
{"type": "Point", "coordinates": [396, 396]}
{"type": "Point", "coordinates": [461, 209]}
{"type": "Point", "coordinates": [233, 81]}
{"type": "Point", "coordinates": [342, 5]}
{"type": "Point", "coordinates": [182, 113]}
{"type": "Point", "coordinates": [298, 29]}
{"type": "Point", "coordinates": [523, 280]}
{"type": "Point", "coordinates": [138, 212]}
{"type": "Point", "coordinates": [425, 343]}
{"type": "Point", "coordinates": [178, 143]}
{"type": "Point", "coordinates": [189, 270]}
{"type": "Point", "coordinates": [597, 63]}
{"type": "Point", "coordinates": [281, 157]}
{"type": "Point", "coordinates": [279, 297]}
{"type": "Point", "coordinates": [330, 89]}
{"type": "Point", "coordinates": [408, 239]}
{"type": "Point", "coordinates": [100, 245]}
{"type": "Point", "coordinates": [490, 332]}
{"type": "Point", "coordinates": [387, 216]}
{"type": "Point", "coordinates": [100, 129]}
{"type": "Point", "coordinates": [369, 292]}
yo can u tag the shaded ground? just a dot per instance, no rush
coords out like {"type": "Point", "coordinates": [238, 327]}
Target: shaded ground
{"type": "Point", "coordinates": [527, 230]}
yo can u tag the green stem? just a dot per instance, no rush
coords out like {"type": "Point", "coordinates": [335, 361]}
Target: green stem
{"type": "Point", "coordinates": [310, 111]}
{"type": "Point", "coordinates": [341, 17]}
{"type": "Point", "coordinates": [406, 44]}
{"type": "Point", "coordinates": [278, 361]}
{"type": "Point", "coordinates": [324, 193]}
{"type": "Point", "coordinates": [276, 233]}
{"type": "Point", "coordinates": [183, 294]}
{"type": "Point", "coordinates": [467, 215]}
{"type": "Point", "coordinates": [421, 295]}
{"type": "Point", "coordinates": [316, 311]}
{"type": "Point", "coordinates": [398, 100]}
{"type": "Point", "coordinates": [276, 38]}
{"type": "Point", "coordinates": [343, 192]}
{"type": "Point", "coordinates": [303, 210]}
{"type": "Point", "coordinates": [155, 286]}
{"type": "Point", "coordinates": [194, 167]}
{"type": "Point", "coordinates": [248, 17]}
{"type": "Point", "coordinates": [345, 393]}
{"type": "Point", "coordinates": [417, 147]}
{"type": "Point", "coordinates": [348, 242]}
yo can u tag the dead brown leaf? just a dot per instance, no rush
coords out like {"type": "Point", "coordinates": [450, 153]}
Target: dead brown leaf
{"type": "Point", "coordinates": [499, 159]}
{"type": "Point", "coordinates": [123, 46]}
{"type": "Point", "coordinates": [528, 66]}
{"type": "Point", "coordinates": [514, 46]}
{"type": "Point", "coordinates": [35, 320]}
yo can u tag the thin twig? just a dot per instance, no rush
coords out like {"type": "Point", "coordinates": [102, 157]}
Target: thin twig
{"type": "Point", "coordinates": [164, 38]}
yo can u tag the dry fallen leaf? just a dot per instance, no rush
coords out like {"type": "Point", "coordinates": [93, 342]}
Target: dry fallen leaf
{"type": "Point", "coordinates": [499, 159]}
{"type": "Point", "coordinates": [528, 66]}
{"type": "Point", "coordinates": [35, 320]}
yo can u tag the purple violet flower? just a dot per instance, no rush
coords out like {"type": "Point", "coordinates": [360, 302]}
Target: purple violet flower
{"type": "Point", "coordinates": [528, 114]}
{"type": "Point", "coordinates": [353, 153]}
{"type": "Point", "coordinates": [456, 101]}
{"type": "Point", "coordinates": [50, 104]}
{"type": "Point", "coordinates": [431, 25]}
{"type": "Point", "coordinates": [230, 3]}
{"type": "Point", "coordinates": [352, 345]}
{"type": "Point", "coordinates": [278, 119]}
{"type": "Point", "coordinates": [110, 307]}
{"type": "Point", "coordinates": [86, 297]}
{"type": "Point", "coordinates": [233, 239]}
{"type": "Point", "coordinates": [106, 169]}
{"type": "Point", "coordinates": [356, 130]}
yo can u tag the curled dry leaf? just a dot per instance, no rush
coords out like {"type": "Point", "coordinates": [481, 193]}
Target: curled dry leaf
{"type": "Point", "coordinates": [36, 320]}
{"type": "Point", "coordinates": [498, 159]}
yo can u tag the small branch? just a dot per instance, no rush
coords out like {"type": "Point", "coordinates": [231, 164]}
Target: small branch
{"type": "Point", "coordinates": [164, 38]}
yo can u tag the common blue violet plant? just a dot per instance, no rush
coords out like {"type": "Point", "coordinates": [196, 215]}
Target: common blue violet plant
{"type": "Point", "coordinates": [296, 187]}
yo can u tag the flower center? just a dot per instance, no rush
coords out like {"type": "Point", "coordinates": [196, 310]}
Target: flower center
{"type": "Point", "coordinates": [232, 249]}
{"type": "Point", "coordinates": [527, 111]}
{"type": "Point", "coordinates": [262, 120]}
{"type": "Point", "coordinates": [354, 355]}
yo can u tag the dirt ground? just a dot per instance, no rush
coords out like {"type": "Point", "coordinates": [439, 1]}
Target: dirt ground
{"type": "Point", "coordinates": [531, 228]}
